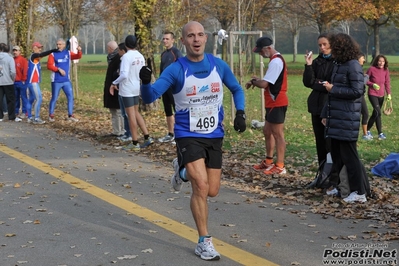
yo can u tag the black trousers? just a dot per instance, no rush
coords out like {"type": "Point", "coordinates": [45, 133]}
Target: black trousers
{"type": "Point", "coordinates": [345, 153]}
{"type": "Point", "coordinates": [9, 92]}
{"type": "Point", "coordinates": [322, 144]}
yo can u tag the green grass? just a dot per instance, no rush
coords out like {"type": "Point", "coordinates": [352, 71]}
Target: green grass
{"type": "Point", "coordinates": [250, 145]}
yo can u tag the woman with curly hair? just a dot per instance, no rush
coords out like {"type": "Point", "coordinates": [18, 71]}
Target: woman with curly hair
{"type": "Point", "coordinates": [341, 113]}
{"type": "Point", "coordinates": [379, 83]}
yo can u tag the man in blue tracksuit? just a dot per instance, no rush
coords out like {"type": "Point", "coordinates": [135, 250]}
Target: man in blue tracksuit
{"type": "Point", "coordinates": [60, 63]}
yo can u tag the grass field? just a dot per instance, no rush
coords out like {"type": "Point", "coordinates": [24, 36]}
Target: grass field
{"type": "Point", "coordinates": [250, 145]}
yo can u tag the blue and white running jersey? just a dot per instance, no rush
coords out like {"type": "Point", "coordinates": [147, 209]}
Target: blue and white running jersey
{"type": "Point", "coordinates": [198, 94]}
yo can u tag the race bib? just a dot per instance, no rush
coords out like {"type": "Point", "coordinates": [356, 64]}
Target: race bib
{"type": "Point", "coordinates": [204, 119]}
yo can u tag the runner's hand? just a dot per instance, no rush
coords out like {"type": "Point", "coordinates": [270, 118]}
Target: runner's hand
{"type": "Point", "coordinates": [239, 121]}
{"type": "Point", "coordinates": [145, 74]}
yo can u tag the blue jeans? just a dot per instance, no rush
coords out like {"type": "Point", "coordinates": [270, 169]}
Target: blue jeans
{"type": "Point", "coordinates": [35, 96]}
{"type": "Point", "coordinates": [20, 94]}
{"type": "Point", "coordinates": [125, 118]}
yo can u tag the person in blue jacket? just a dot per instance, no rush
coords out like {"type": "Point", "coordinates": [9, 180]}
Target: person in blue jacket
{"type": "Point", "coordinates": [197, 81]}
{"type": "Point", "coordinates": [341, 113]}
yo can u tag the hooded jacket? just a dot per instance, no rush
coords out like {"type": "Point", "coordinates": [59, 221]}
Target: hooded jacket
{"type": "Point", "coordinates": [7, 69]}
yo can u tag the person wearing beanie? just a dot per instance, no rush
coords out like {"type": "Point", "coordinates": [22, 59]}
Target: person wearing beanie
{"type": "Point", "coordinates": [129, 90]}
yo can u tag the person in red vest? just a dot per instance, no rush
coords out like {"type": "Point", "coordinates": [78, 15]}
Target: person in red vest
{"type": "Point", "coordinates": [21, 67]}
{"type": "Point", "coordinates": [276, 103]}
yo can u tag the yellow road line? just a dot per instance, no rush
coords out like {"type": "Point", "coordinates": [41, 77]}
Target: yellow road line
{"type": "Point", "coordinates": [227, 250]}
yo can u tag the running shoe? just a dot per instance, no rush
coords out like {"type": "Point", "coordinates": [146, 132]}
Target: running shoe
{"type": "Point", "coordinates": [370, 135]}
{"type": "Point", "coordinates": [382, 136]}
{"type": "Point", "coordinates": [17, 119]}
{"type": "Point", "coordinates": [72, 118]}
{"type": "Point", "coordinates": [51, 118]}
{"type": "Point", "coordinates": [367, 137]}
{"type": "Point", "coordinates": [147, 142]}
{"type": "Point", "coordinates": [262, 166]}
{"type": "Point", "coordinates": [131, 147]}
{"type": "Point", "coordinates": [332, 192]}
{"type": "Point", "coordinates": [38, 121]}
{"type": "Point", "coordinates": [125, 138]}
{"type": "Point", "coordinates": [206, 251]}
{"type": "Point", "coordinates": [354, 197]}
{"type": "Point", "coordinates": [176, 181]}
{"type": "Point", "coordinates": [167, 138]}
{"type": "Point", "coordinates": [275, 170]}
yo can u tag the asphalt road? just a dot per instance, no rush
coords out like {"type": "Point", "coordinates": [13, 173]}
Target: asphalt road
{"type": "Point", "coordinates": [66, 201]}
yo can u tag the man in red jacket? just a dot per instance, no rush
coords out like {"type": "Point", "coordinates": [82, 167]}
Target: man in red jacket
{"type": "Point", "coordinates": [21, 67]}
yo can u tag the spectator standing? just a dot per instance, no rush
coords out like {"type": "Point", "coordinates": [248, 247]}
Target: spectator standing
{"type": "Point", "coordinates": [341, 113]}
{"type": "Point", "coordinates": [169, 56]}
{"type": "Point", "coordinates": [276, 103]}
{"type": "Point", "coordinates": [60, 63]}
{"type": "Point", "coordinates": [21, 68]}
{"type": "Point", "coordinates": [112, 101]}
{"type": "Point", "coordinates": [128, 135]}
{"type": "Point", "coordinates": [365, 112]}
{"type": "Point", "coordinates": [316, 71]}
{"type": "Point", "coordinates": [7, 77]}
{"type": "Point", "coordinates": [198, 123]}
{"type": "Point", "coordinates": [33, 82]}
{"type": "Point", "coordinates": [129, 89]}
{"type": "Point", "coordinates": [379, 84]}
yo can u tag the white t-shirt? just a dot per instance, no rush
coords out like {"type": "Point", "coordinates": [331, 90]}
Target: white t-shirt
{"type": "Point", "coordinates": [274, 70]}
{"type": "Point", "coordinates": [129, 79]}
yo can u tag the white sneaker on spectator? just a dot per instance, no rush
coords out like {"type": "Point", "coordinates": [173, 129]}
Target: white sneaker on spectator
{"type": "Point", "coordinates": [354, 197]}
{"type": "Point", "coordinates": [17, 119]}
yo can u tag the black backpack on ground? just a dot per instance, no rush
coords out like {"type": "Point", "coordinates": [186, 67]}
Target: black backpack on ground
{"type": "Point", "coordinates": [322, 178]}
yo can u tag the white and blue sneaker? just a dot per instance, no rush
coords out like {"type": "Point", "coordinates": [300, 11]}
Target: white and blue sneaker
{"type": "Point", "coordinates": [167, 138]}
{"type": "Point", "coordinates": [382, 136]}
{"type": "Point", "coordinates": [332, 192]}
{"type": "Point", "coordinates": [370, 135]}
{"type": "Point", "coordinates": [125, 138]}
{"type": "Point", "coordinates": [147, 143]}
{"type": "Point", "coordinates": [206, 251]}
{"type": "Point", "coordinates": [176, 181]}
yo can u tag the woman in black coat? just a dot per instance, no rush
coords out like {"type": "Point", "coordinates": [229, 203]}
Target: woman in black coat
{"type": "Point", "coordinates": [112, 101]}
{"type": "Point", "coordinates": [341, 113]}
{"type": "Point", "coordinates": [318, 70]}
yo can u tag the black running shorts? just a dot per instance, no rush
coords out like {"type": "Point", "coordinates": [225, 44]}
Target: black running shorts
{"type": "Point", "coordinates": [192, 149]}
{"type": "Point", "coordinates": [276, 115]}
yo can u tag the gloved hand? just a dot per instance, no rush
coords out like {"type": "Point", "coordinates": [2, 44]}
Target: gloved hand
{"type": "Point", "coordinates": [389, 97]}
{"type": "Point", "coordinates": [376, 86]}
{"type": "Point", "coordinates": [145, 74]}
{"type": "Point", "coordinates": [239, 121]}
